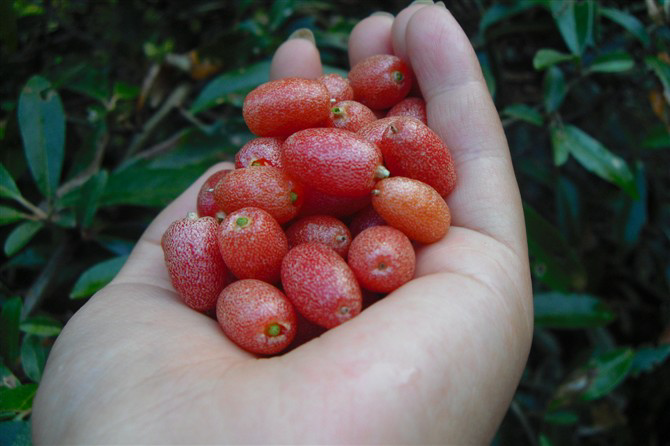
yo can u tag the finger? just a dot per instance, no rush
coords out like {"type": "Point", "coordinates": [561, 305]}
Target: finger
{"type": "Point", "coordinates": [400, 25]}
{"type": "Point", "coordinates": [370, 36]}
{"type": "Point", "coordinates": [146, 263]}
{"type": "Point", "coordinates": [297, 57]}
{"type": "Point", "coordinates": [461, 111]}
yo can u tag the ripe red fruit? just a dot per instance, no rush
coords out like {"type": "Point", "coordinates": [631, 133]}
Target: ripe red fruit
{"type": "Point", "coordinates": [193, 261]}
{"type": "Point", "coordinates": [411, 149]}
{"type": "Point", "coordinates": [333, 161]}
{"type": "Point", "coordinates": [338, 87]}
{"type": "Point", "coordinates": [380, 81]}
{"type": "Point", "coordinates": [252, 244]}
{"type": "Point", "coordinates": [373, 131]}
{"type": "Point", "coordinates": [320, 284]}
{"type": "Point", "coordinates": [366, 218]}
{"type": "Point", "coordinates": [256, 316]}
{"type": "Point", "coordinates": [350, 115]}
{"type": "Point", "coordinates": [320, 229]}
{"type": "Point", "coordinates": [263, 151]}
{"type": "Point", "coordinates": [206, 203]}
{"type": "Point", "coordinates": [382, 258]}
{"type": "Point", "coordinates": [414, 207]}
{"type": "Point", "coordinates": [411, 107]}
{"type": "Point", "coordinates": [265, 187]}
{"type": "Point", "coordinates": [316, 203]}
{"type": "Point", "coordinates": [284, 106]}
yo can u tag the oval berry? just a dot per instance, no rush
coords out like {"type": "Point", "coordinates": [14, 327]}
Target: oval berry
{"type": "Point", "coordinates": [413, 207]}
{"type": "Point", "coordinates": [195, 266]}
{"type": "Point", "coordinates": [206, 202]}
{"type": "Point", "coordinates": [410, 107]}
{"type": "Point", "coordinates": [320, 229]}
{"type": "Point", "coordinates": [265, 187]}
{"type": "Point", "coordinates": [284, 106]}
{"type": "Point", "coordinates": [320, 284]}
{"type": "Point", "coordinates": [252, 244]}
{"type": "Point", "coordinates": [374, 130]}
{"type": "Point", "coordinates": [382, 258]}
{"type": "Point", "coordinates": [333, 161]}
{"type": "Point", "coordinates": [256, 316]}
{"type": "Point", "coordinates": [264, 151]}
{"type": "Point", "coordinates": [338, 87]}
{"type": "Point", "coordinates": [380, 81]}
{"type": "Point", "coordinates": [316, 203]}
{"type": "Point", "coordinates": [350, 115]}
{"type": "Point", "coordinates": [366, 218]}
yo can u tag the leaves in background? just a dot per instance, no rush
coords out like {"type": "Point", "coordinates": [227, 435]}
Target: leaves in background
{"type": "Point", "coordinates": [33, 357]}
{"type": "Point", "coordinates": [613, 62]}
{"type": "Point", "coordinates": [575, 22]}
{"type": "Point", "coordinates": [96, 277]}
{"type": "Point", "coordinates": [501, 11]}
{"type": "Point", "coordinates": [633, 214]}
{"type": "Point", "coordinates": [20, 236]}
{"type": "Point", "coordinates": [628, 21]}
{"type": "Point", "coordinates": [547, 57]}
{"type": "Point", "coordinates": [15, 433]}
{"type": "Point", "coordinates": [9, 215]}
{"type": "Point", "coordinates": [16, 399]}
{"type": "Point", "coordinates": [662, 70]}
{"type": "Point", "coordinates": [560, 310]}
{"type": "Point", "coordinates": [606, 372]}
{"type": "Point", "coordinates": [9, 329]}
{"type": "Point", "coordinates": [648, 358]}
{"type": "Point", "coordinates": [8, 188]}
{"type": "Point", "coordinates": [554, 88]}
{"type": "Point", "coordinates": [524, 113]}
{"type": "Point", "coordinates": [42, 124]}
{"type": "Point", "coordinates": [41, 326]}
{"type": "Point", "coordinates": [89, 198]}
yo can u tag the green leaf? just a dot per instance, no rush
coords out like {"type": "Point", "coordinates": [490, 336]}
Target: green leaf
{"type": "Point", "coordinates": [33, 357]}
{"type": "Point", "coordinates": [500, 11]}
{"type": "Point", "coordinates": [634, 214]}
{"type": "Point", "coordinates": [96, 277]}
{"type": "Point", "coordinates": [8, 188]}
{"type": "Point", "coordinates": [15, 433]}
{"type": "Point", "coordinates": [575, 22]}
{"type": "Point", "coordinates": [547, 57]}
{"type": "Point", "coordinates": [545, 441]}
{"type": "Point", "coordinates": [243, 79]}
{"type": "Point", "coordinates": [9, 329]}
{"type": "Point", "coordinates": [561, 417]}
{"type": "Point", "coordinates": [554, 88]}
{"type": "Point", "coordinates": [662, 70]}
{"type": "Point", "coordinates": [89, 198]}
{"type": "Point", "coordinates": [559, 310]}
{"type": "Point", "coordinates": [7, 378]}
{"type": "Point", "coordinates": [17, 399]}
{"type": "Point", "coordinates": [629, 22]}
{"type": "Point", "coordinates": [9, 215]}
{"type": "Point", "coordinates": [524, 113]}
{"type": "Point", "coordinates": [21, 235]}
{"type": "Point", "coordinates": [594, 157]}
{"type": "Point", "coordinates": [41, 326]}
{"type": "Point", "coordinates": [561, 151]}
{"type": "Point", "coordinates": [42, 124]}
{"type": "Point", "coordinates": [126, 91]}
{"type": "Point", "coordinates": [648, 358]}
{"type": "Point", "coordinates": [657, 138]}
{"type": "Point", "coordinates": [606, 372]}
{"type": "Point", "coordinates": [614, 62]}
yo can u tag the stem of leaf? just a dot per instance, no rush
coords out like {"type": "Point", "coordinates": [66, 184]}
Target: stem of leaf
{"type": "Point", "coordinates": [37, 212]}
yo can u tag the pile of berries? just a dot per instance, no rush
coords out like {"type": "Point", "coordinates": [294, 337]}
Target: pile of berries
{"type": "Point", "coordinates": [325, 206]}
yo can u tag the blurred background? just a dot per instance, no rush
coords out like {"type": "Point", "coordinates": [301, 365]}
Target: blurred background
{"type": "Point", "coordinates": [109, 109]}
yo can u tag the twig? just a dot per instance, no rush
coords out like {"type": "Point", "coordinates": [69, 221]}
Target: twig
{"type": "Point", "coordinates": [43, 282]}
{"type": "Point", "coordinates": [161, 147]}
{"type": "Point", "coordinates": [90, 170]}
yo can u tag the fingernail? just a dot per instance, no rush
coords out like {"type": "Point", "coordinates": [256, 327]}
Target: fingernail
{"type": "Point", "coordinates": [441, 4]}
{"type": "Point", "coordinates": [422, 2]}
{"type": "Point", "coordinates": [303, 33]}
{"type": "Point", "coordinates": [382, 14]}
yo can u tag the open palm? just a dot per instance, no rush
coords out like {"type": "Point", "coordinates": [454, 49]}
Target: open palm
{"type": "Point", "coordinates": [436, 361]}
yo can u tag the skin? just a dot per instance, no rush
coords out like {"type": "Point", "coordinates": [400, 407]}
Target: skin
{"type": "Point", "coordinates": [435, 362]}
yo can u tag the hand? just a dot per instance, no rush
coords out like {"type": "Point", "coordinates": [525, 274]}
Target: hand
{"type": "Point", "coordinates": [436, 361]}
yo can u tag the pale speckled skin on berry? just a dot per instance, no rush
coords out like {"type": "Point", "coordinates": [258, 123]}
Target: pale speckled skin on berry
{"type": "Point", "coordinates": [374, 130]}
{"type": "Point", "coordinates": [197, 270]}
{"type": "Point", "coordinates": [284, 106]}
{"type": "Point", "coordinates": [333, 161]}
{"type": "Point", "coordinates": [246, 308]}
{"type": "Point", "coordinates": [338, 87]}
{"type": "Point", "coordinates": [265, 187]}
{"type": "Point", "coordinates": [351, 116]}
{"type": "Point", "coordinates": [382, 258]}
{"type": "Point", "coordinates": [320, 284]}
{"type": "Point", "coordinates": [256, 250]}
{"type": "Point", "coordinates": [366, 218]}
{"type": "Point", "coordinates": [411, 149]}
{"type": "Point", "coordinates": [264, 151]}
{"type": "Point", "coordinates": [320, 229]}
{"type": "Point", "coordinates": [412, 107]}
{"type": "Point", "coordinates": [373, 83]}
{"type": "Point", "coordinates": [206, 203]}
{"type": "Point", "coordinates": [316, 202]}
{"type": "Point", "coordinates": [413, 207]}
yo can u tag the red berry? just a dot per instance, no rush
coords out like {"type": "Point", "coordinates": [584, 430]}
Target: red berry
{"type": "Point", "coordinates": [413, 207]}
{"type": "Point", "coordinates": [265, 187]}
{"type": "Point", "coordinates": [284, 106]}
{"type": "Point", "coordinates": [411, 107]}
{"type": "Point", "coordinates": [320, 284]}
{"type": "Point", "coordinates": [333, 161]}
{"type": "Point", "coordinates": [380, 81]}
{"type": "Point", "coordinates": [382, 258]}
{"type": "Point", "coordinates": [206, 203]}
{"type": "Point", "coordinates": [374, 130]}
{"type": "Point", "coordinates": [366, 218]}
{"type": "Point", "coordinates": [256, 316]}
{"type": "Point", "coordinates": [338, 87]}
{"type": "Point", "coordinates": [252, 244]}
{"type": "Point", "coordinates": [260, 152]}
{"type": "Point", "coordinates": [193, 261]}
{"type": "Point", "coordinates": [350, 115]}
{"type": "Point", "coordinates": [320, 229]}
{"type": "Point", "coordinates": [316, 203]}
{"type": "Point", "coordinates": [411, 149]}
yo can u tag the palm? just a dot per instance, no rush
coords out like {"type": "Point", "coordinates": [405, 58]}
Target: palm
{"type": "Point", "coordinates": [435, 361]}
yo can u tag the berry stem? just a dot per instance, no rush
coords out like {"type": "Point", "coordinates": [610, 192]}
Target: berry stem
{"type": "Point", "coordinates": [242, 222]}
{"type": "Point", "coordinates": [382, 172]}
{"type": "Point", "coordinates": [273, 330]}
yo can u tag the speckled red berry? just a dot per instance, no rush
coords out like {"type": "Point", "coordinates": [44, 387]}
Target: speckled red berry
{"type": "Point", "coordinates": [206, 203]}
{"type": "Point", "coordinates": [338, 87]}
{"type": "Point", "coordinates": [320, 229]}
{"type": "Point", "coordinates": [380, 81]}
{"type": "Point", "coordinates": [264, 151]}
{"type": "Point", "coordinates": [363, 219]}
{"type": "Point", "coordinates": [350, 115]}
{"type": "Point", "coordinates": [411, 107]}
{"type": "Point", "coordinates": [316, 203]}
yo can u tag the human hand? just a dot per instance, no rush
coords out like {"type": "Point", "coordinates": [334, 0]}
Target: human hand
{"type": "Point", "coordinates": [436, 361]}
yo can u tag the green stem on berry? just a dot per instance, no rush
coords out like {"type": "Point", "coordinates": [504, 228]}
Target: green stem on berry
{"type": "Point", "coordinates": [293, 196]}
{"type": "Point", "coordinates": [242, 222]}
{"type": "Point", "coordinates": [273, 330]}
{"type": "Point", "coordinates": [192, 215]}
{"type": "Point", "coordinates": [397, 77]}
{"type": "Point", "coordinates": [382, 172]}
{"type": "Point", "coordinates": [337, 111]}
{"type": "Point", "coordinates": [375, 192]}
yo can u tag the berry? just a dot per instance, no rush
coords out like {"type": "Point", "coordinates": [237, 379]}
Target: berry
{"type": "Point", "coordinates": [338, 87]}
{"type": "Point", "coordinates": [412, 107]}
{"type": "Point", "coordinates": [252, 244]}
{"type": "Point", "coordinates": [284, 106]}
{"type": "Point", "coordinates": [373, 131]}
{"type": "Point", "coordinates": [320, 229]}
{"type": "Point", "coordinates": [366, 218]}
{"type": "Point", "coordinates": [316, 203]}
{"type": "Point", "coordinates": [206, 203]}
{"type": "Point", "coordinates": [350, 115]}
{"type": "Point", "coordinates": [260, 152]}
{"type": "Point", "coordinates": [256, 316]}
{"type": "Point", "coordinates": [380, 81]}
{"type": "Point", "coordinates": [193, 261]}
{"type": "Point", "coordinates": [333, 161]}
{"type": "Point", "coordinates": [382, 258]}
{"type": "Point", "coordinates": [320, 284]}
{"type": "Point", "coordinates": [414, 207]}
